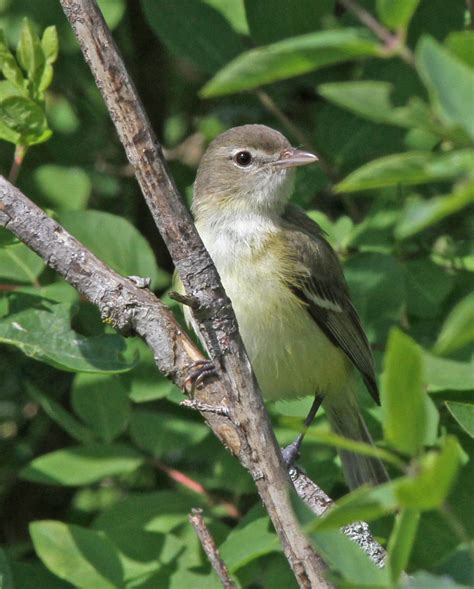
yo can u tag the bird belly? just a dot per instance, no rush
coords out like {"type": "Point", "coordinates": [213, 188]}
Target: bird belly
{"type": "Point", "coordinates": [289, 353]}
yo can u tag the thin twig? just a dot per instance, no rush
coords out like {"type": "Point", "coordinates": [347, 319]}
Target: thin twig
{"type": "Point", "coordinates": [210, 549]}
{"type": "Point", "coordinates": [392, 43]}
{"type": "Point", "coordinates": [18, 158]}
{"type": "Point", "coordinates": [268, 102]}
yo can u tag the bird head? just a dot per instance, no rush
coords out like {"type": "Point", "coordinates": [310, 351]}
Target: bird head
{"type": "Point", "coordinates": [247, 169]}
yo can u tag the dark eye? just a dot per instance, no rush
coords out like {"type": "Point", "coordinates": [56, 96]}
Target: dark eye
{"type": "Point", "coordinates": [243, 158]}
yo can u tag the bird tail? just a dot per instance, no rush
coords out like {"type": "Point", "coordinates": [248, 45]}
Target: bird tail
{"type": "Point", "coordinates": [346, 420]}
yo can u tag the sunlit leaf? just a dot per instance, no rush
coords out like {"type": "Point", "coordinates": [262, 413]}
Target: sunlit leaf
{"type": "Point", "coordinates": [83, 557]}
{"type": "Point", "coordinates": [410, 418]}
{"type": "Point", "coordinates": [82, 465]}
{"type": "Point", "coordinates": [289, 58]}
{"type": "Point", "coordinates": [44, 333]}
{"type": "Point", "coordinates": [409, 168]}
{"type": "Point", "coordinates": [450, 81]}
{"type": "Point", "coordinates": [420, 213]}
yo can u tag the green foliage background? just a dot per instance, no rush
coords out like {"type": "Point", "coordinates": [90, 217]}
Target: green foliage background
{"type": "Point", "coordinates": [100, 465]}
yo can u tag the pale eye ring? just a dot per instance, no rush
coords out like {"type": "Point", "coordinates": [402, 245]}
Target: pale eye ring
{"type": "Point", "coordinates": [243, 158]}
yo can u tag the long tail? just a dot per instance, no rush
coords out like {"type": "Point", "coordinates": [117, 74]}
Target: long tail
{"type": "Point", "coordinates": [346, 420]}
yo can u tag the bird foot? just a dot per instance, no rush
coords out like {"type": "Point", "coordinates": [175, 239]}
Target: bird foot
{"type": "Point", "coordinates": [291, 453]}
{"type": "Point", "coordinates": [198, 372]}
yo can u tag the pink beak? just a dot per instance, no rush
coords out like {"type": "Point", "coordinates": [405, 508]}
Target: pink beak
{"type": "Point", "coordinates": [292, 157]}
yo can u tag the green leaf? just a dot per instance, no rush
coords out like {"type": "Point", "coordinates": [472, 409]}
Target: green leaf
{"type": "Point", "coordinates": [6, 579]}
{"type": "Point", "coordinates": [461, 44]}
{"type": "Point", "coordinates": [144, 381]}
{"type": "Point", "coordinates": [408, 168]}
{"type": "Point", "coordinates": [401, 541]}
{"type": "Point", "coordinates": [60, 416]}
{"type": "Point", "coordinates": [115, 241]}
{"type": "Point", "coordinates": [437, 472]}
{"type": "Point", "coordinates": [273, 20]}
{"type": "Point", "coordinates": [10, 68]}
{"type": "Point", "coordinates": [113, 11]}
{"type": "Point", "coordinates": [30, 53]}
{"type": "Point", "coordinates": [18, 264]}
{"type": "Point", "coordinates": [458, 328]}
{"type": "Point", "coordinates": [66, 188]}
{"type": "Point", "coordinates": [364, 504]}
{"type": "Point", "coordinates": [233, 12]}
{"type": "Point", "coordinates": [23, 116]}
{"type": "Point", "coordinates": [204, 37]}
{"type": "Point", "coordinates": [425, 490]}
{"type": "Point", "coordinates": [289, 58]}
{"type": "Point", "coordinates": [450, 81]}
{"type": "Point", "coordinates": [445, 375]}
{"type": "Point", "coordinates": [82, 465]}
{"type": "Point", "coordinates": [80, 556]}
{"type": "Point", "coordinates": [23, 572]}
{"type": "Point", "coordinates": [410, 418]}
{"type": "Point", "coordinates": [396, 14]}
{"type": "Point", "coordinates": [463, 413]}
{"type": "Point", "coordinates": [50, 44]}
{"type": "Point", "coordinates": [102, 402]}
{"type": "Point", "coordinates": [377, 286]}
{"type": "Point", "coordinates": [251, 539]}
{"type": "Point", "coordinates": [427, 286]}
{"type": "Point", "coordinates": [159, 512]}
{"type": "Point", "coordinates": [371, 100]}
{"type": "Point", "coordinates": [419, 213]}
{"type": "Point", "coordinates": [161, 433]}
{"type": "Point", "coordinates": [46, 335]}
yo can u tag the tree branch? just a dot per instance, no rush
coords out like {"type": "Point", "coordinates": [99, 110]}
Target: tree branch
{"type": "Point", "coordinates": [247, 433]}
{"type": "Point", "coordinates": [209, 546]}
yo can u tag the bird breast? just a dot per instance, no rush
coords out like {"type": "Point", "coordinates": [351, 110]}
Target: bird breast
{"type": "Point", "coordinates": [290, 355]}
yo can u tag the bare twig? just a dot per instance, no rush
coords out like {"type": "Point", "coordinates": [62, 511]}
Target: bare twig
{"type": "Point", "coordinates": [18, 157]}
{"type": "Point", "coordinates": [210, 549]}
{"type": "Point", "coordinates": [392, 43]}
{"type": "Point", "coordinates": [317, 500]}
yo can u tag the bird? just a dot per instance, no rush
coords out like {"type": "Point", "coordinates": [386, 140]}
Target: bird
{"type": "Point", "coordinates": [298, 324]}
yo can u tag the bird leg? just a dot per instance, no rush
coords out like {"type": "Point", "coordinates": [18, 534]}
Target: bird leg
{"type": "Point", "coordinates": [292, 451]}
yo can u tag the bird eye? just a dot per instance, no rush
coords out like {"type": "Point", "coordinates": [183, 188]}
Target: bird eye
{"type": "Point", "coordinates": [243, 158]}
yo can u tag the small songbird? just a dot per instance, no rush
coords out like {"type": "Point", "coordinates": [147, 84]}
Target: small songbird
{"type": "Point", "coordinates": [298, 324]}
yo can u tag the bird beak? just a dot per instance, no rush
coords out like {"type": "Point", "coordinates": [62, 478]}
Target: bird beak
{"type": "Point", "coordinates": [290, 158]}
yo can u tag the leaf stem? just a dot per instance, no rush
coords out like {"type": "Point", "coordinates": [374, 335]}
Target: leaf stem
{"type": "Point", "coordinates": [391, 42]}
{"type": "Point", "coordinates": [18, 157]}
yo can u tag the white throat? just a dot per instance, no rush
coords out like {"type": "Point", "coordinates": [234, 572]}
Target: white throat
{"type": "Point", "coordinates": [232, 238]}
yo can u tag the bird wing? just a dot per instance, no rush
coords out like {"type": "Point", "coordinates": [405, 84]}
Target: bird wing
{"type": "Point", "coordinates": [318, 281]}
